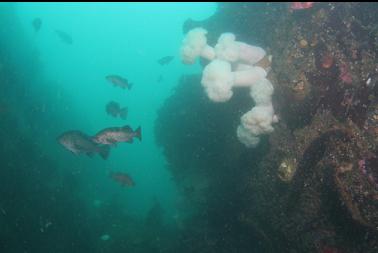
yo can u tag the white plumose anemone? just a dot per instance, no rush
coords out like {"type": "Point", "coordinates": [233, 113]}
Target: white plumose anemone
{"type": "Point", "coordinates": [262, 92]}
{"type": "Point", "coordinates": [218, 79]}
{"type": "Point", "coordinates": [259, 119]}
{"type": "Point", "coordinates": [246, 137]}
{"type": "Point", "coordinates": [194, 45]}
{"type": "Point", "coordinates": [229, 49]}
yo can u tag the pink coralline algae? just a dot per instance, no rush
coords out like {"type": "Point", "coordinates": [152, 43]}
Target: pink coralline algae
{"type": "Point", "coordinates": [362, 166]}
{"type": "Point", "coordinates": [301, 5]}
{"type": "Point", "coordinates": [345, 75]}
{"type": "Point", "coordinates": [327, 60]}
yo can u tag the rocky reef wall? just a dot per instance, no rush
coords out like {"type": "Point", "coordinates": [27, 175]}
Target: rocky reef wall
{"type": "Point", "coordinates": [312, 185]}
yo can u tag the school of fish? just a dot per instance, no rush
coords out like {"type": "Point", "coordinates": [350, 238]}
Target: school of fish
{"type": "Point", "coordinates": [80, 143]}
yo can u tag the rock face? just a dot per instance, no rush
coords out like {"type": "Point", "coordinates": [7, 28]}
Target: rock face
{"type": "Point", "coordinates": [325, 74]}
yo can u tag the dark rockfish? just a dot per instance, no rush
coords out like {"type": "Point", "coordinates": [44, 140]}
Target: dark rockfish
{"type": "Point", "coordinates": [113, 108]}
{"type": "Point", "coordinates": [37, 23]}
{"type": "Point", "coordinates": [65, 37]}
{"type": "Point", "coordinates": [79, 143]}
{"type": "Point", "coordinates": [165, 60]}
{"type": "Point", "coordinates": [112, 135]}
{"type": "Point", "coordinates": [119, 81]}
{"type": "Point", "coordinates": [122, 178]}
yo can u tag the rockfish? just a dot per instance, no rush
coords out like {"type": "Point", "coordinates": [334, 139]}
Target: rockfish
{"type": "Point", "coordinates": [122, 178]}
{"type": "Point", "coordinates": [112, 135]}
{"type": "Point", "coordinates": [113, 108]}
{"type": "Point", "coordinates": [79, 143]}
{"type": "Point", "coordinates": [119, 81]}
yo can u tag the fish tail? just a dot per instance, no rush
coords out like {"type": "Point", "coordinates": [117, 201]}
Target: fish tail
{"type": "Point", "coordinates": [95, 140]}
{"type": "Point", "coordinates": [130, 85]}
{"type": "Point", "coordinates": [123, 113]}
{"type": "Point", "coordinates": [138, 133]}
{"type": "Point", "coordinates": [104, 152]}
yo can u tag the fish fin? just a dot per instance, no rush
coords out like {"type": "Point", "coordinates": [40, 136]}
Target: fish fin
{"type": "Point", "coordinates": [127, 128]}
{"type": "Point", "coordinates": [138, 133]}
{"type": "Point", "coordinates": [130, 141]}
{"type": "Point", "coordinates": [112, 142]}
{"type": "Point", "coordinates": [130, 85]}
{"type": "Point", "coordinates": [94, 139]}
{"type": "Point", "coordinates": [123, 113]}
{"type": "Point", "coordinates": [104, 152]}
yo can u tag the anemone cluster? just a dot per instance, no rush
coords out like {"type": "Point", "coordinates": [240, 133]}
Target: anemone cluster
{"type": "Point", "coordinates": [235, 64]}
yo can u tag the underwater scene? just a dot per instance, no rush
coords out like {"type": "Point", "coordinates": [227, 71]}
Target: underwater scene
{"type": "Point", "coordinates": [189, 127]}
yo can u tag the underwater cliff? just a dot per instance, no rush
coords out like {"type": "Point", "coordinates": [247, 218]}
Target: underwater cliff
{"type": "Point", "coordinates": [311, 185]}
{"type": "Point", "coordinates": [189, 184]}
